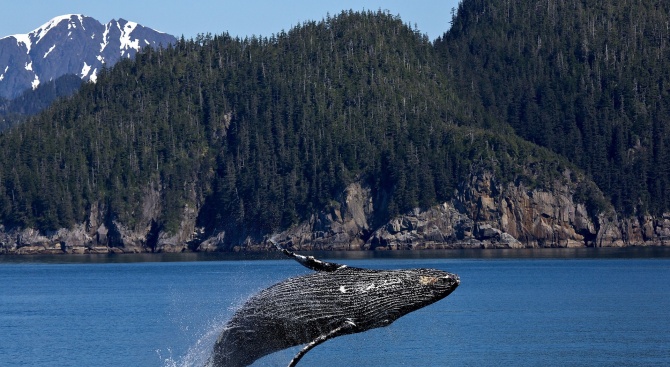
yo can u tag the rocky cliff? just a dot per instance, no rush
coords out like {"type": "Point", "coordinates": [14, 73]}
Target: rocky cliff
{"type": "Point", "coordinates": [101, 234]}
{"type": "Point", "coordinates": [483, 214]}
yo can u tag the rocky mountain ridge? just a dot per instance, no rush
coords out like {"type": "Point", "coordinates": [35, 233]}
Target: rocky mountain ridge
{"type": "Point", "coordinates": [70, 44]}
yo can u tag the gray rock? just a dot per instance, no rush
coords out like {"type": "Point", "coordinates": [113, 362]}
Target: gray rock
{"type": "Point", "coordinates": [483, 214]}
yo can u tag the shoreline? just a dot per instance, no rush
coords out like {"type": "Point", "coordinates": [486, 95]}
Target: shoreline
{"type": "Point", "coordinates": [630, 252]}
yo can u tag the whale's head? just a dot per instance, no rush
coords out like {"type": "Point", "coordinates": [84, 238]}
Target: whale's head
{"type": "Point", "coordinates": [398, 292]}
{"type": "Point", "coordinates": [429, 286]}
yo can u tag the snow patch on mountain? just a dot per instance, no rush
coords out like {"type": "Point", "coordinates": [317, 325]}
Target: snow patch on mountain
{"type": "Point", "coordinates": [85, 70]}
{"type": "Point", "coordinates": [42, 31]}
{"type": "Point", "coordinates": [29, 66]}
{"type": "Point", "coordinates": [23, 38]}
{"type": "Point", "coordinates": [126, 41]}
{"type": "Point", "coordinates": [35, 82]}
{"type": "Point", "coordinates": [94, 76]}
{"type": "Point", "coordinates": [48, 52]}
{"type": "Point", "coordinates": [105, 34]}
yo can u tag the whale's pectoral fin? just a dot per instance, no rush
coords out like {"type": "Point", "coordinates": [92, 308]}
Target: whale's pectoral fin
{"type": "Point", "coordinates": [342, 329]}
{"type": "Point", "coordinates": [310, 261]}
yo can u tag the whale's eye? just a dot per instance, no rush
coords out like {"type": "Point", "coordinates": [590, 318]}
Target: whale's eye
{"type": "Point", "coordinates": [425, 280]}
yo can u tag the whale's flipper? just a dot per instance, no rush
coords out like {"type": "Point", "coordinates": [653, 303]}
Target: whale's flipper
{"type": "Point", "coordinates": [310, 261]}
{"type": "Point", "coordinates": [348, 325]}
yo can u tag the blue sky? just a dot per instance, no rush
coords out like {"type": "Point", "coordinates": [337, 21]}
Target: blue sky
{"type": "Point", "coordinates": [239, 18]}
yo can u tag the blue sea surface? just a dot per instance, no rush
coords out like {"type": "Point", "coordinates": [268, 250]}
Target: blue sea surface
{"type": "Point", "coordinates": [520, 310]}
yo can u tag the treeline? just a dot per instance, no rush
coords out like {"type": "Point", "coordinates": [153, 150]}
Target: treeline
{"type": "Point", "coordinates": [257, 133]}
{"type": "Point", "coordinates": [587, 79]}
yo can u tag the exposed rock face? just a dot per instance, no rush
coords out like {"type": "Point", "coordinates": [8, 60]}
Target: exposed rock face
{"type": "Point", "coordinates": [536, 218]}
{"type": "Point", "coordinates": [187, 230]}
{"type": "Point", "coordinates": [483, 214]}
{"type": "Point", "coordinates": [643, 231]}
{"type": "Point", "coordinates": [345, 226]}
{"type": "Point", "coordinates": [103, 235]}
{"type": "Point", "coordinates": [30, 241]}
{"type": "Point", "coordinates": [442, 226]}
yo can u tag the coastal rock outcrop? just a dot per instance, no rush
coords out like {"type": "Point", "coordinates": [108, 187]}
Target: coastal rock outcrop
{"type": "Point", "coordinates": [535, 217]}
{"type": "Point", "coordinates": [345, 225]}
{"type": "Point", "coordinates": [482, 214]}
{"type": "Point", "coordinates": [439, 227]}
{"type": "Point", "coordinates": [103, 235]}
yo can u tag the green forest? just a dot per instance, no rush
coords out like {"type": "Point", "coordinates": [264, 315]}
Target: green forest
{"type": "Point", "coordinates": [259, 133]}
{"type": "Point", "coordinates": [588, 79]}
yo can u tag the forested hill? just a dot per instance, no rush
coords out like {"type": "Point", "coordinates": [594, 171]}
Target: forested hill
{"type": "Point", "coordinates": [255, 134]}
{"type": "Point", "coordinates": [586, 78]}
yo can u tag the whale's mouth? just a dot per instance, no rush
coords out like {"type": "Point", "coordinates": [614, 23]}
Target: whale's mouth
{"type": "Point", "coordinates": [451, 280]}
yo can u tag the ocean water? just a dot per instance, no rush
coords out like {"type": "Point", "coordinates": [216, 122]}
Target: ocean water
{"type": "Point", "coordinates": [525, 309]}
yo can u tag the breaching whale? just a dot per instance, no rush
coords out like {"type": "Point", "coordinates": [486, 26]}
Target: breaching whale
{"type": "Point", "coordinates": [335, 300]}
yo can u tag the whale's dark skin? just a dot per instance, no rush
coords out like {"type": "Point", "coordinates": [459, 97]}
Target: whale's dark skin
{"type": "Point", "coordinates": [335, 300]}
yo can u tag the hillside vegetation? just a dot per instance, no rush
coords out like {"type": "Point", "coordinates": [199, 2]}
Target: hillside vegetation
{"type": "Point", "coordinates": [587, 79]}
{"type": "Point", "coordinates": [258, 133]}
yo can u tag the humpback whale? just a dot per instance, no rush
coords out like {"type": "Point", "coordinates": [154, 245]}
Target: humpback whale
{"type": "Point", "coordinates": [335, 300]}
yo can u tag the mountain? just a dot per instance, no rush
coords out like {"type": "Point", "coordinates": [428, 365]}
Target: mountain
{"type": "Point", "coordinates": [70, 44]}
{"type": "Point", "coordinates": [354, 132]}
{"type": "Point", "coordinates": [220, 142]}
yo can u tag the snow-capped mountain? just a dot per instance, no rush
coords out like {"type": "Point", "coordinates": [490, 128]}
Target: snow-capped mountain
{"type": "Point", "coordinates": [70, 44]}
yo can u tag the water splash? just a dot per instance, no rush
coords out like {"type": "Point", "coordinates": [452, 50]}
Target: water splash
{"type": "Point", "coordinates": [204, 333]}
{"type": "Point", "coordinates": [198, 353]}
